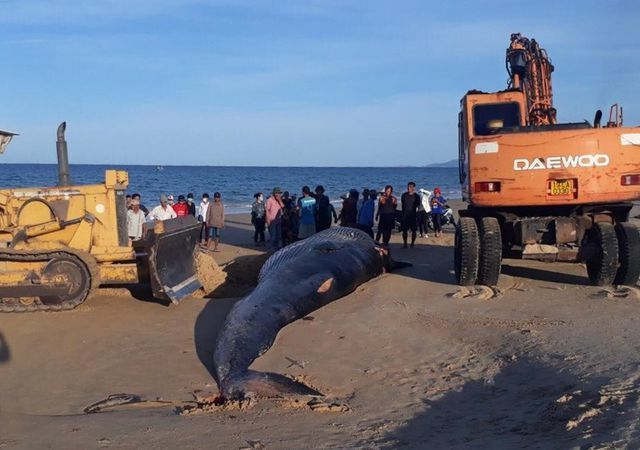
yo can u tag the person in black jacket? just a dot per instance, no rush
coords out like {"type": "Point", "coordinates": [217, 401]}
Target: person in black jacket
{"type": "Point", "coordinates": [324, 210]}
{"type": "Point", "coordinates": [410, 202]}
{"type": "Point", "coordinates": [191, 205]}
{"type": "Point", "coordinates": [387, 206]}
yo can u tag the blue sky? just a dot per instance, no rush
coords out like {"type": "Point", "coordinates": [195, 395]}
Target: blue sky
{"type": "Point", "coordinates": [323, 83]}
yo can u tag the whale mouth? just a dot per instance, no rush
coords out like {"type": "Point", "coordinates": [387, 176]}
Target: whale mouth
{"type": "Point", "coordinates": [266, 385]}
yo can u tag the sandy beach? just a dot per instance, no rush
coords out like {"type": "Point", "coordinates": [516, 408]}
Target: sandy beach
{"type": "Point", "coordinates": [412, 359]}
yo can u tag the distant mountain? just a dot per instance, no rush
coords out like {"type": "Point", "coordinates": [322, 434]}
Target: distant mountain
{"type": "Point", "coordinates": [452, 163]}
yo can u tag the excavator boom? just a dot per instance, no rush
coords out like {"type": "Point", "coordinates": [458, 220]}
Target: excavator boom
{"type": "Point", "coordinates": [530, 71]}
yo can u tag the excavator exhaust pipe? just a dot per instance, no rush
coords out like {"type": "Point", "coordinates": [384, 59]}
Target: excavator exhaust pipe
{"type": "Point", "coordinates": [64, 177]}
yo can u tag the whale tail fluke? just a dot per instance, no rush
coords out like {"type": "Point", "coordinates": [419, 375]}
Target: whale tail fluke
{"type": "Point", "coordinates": [269, 385]}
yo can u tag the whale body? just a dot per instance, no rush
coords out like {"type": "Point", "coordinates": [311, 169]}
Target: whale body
{"type": "Point", "coordinates": [292, 283]}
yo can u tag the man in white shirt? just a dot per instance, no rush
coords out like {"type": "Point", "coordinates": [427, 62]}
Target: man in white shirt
{"type": "Point", "coordinates": [202, 212]}
{"type": "Point", "coordinates": [135, 221]}
{"type": "Point", "coordinates": [163, 211]}
{"type": "Point", "coordinates": [423, 212]}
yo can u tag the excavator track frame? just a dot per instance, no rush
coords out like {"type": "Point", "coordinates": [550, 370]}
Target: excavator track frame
{"type": "Point", "coordinates": [85, 261]}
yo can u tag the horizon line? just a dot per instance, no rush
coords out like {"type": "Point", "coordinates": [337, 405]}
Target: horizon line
{"type": "Point", "coordinates": [431, 165]}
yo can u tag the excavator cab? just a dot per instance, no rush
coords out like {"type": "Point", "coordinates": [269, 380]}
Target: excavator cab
{"type": "Point", "coordinates": [482, 116]}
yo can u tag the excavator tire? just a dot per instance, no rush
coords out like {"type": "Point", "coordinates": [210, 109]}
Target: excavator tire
{"type": "Point", "coordinates": [603, 265]}
{"type": "Point", "coordinates": [467, 251]}
{"type": "Point", "coordinates": [490, 251]}
{"type": "Point", "coordinates": [628, 254]}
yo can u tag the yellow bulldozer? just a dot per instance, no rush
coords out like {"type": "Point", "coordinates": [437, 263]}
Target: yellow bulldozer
{"type": "Point", "coordinates": [59, 243]}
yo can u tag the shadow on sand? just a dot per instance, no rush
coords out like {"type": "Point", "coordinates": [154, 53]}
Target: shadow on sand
{"type": "Point", "coordinates": [551, 275]}
{"type": "Point", "coordinates": [527, 404]}
{"type": "Point", "coordinates": [207, 328]}
{"type": "Point", "coordinates": [432, 263]}
{"type": "Point", "coordinates": [5, 353]}
{"type": "Point", "coordinates": [242, 277]}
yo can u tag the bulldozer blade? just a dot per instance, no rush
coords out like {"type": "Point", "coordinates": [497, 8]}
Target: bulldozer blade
{"type": "Point", "coordinates": [172, 261]}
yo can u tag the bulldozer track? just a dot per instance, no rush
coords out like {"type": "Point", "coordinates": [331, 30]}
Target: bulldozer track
{"type": "Point", "coordinates": [13, 305]}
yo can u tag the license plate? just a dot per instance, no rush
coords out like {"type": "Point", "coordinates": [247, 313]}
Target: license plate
{"type": "Point", "coordinates": [561, 187]}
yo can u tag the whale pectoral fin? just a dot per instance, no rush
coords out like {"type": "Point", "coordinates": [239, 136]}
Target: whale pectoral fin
{"type": "Point", "coordinates": [324, 287]}
{"type": "Point", "coordinates": [395, 265]}
{"type": "Point", "coordinates": [269, 384]}
{"type": "Point", "coordinates": [389, 263]}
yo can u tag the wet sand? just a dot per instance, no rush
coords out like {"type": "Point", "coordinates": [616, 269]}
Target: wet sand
{"type": "Point", "coordinates": [545, 360]}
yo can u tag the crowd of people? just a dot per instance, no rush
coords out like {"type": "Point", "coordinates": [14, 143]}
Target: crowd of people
{"type": "Point", "coordinates": [289, 218]}
{"type": "Point", "coordinates": [210, 215]}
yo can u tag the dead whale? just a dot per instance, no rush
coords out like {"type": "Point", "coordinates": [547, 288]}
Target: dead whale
{"type": "Point", "coordinates": [294, 282]}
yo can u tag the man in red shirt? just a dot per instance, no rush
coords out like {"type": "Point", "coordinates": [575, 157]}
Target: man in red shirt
{"type": "Point", "coordinates": [181, 208]}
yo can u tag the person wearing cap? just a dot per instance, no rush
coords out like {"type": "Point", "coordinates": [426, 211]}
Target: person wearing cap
{"type": "Point", "coordinates": [170, 200]}
{"type": "Point", "coordinates": [324, 210]}
{"type": "Point", "coordinates": [215, 221]}
{"type": "Point", "coordinates": [273, 209]}
{"type": "Point", "coordinates": [135, 221]}
{"type": "Point", "coordinates": [307, 214]}
{"type": "Point", "coordinates": [191, 205]}
{"type": "Point", "coordinates": [163, 211]}
{"type": "Point", "coordinates": [438, 207]}
{"type": "Point", "coordinates": [202, 217]}
{"type": "Point", "coordinates": [181, 208]}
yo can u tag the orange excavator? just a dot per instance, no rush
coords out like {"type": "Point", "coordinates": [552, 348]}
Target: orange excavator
{"type": "Point", "coordinates": [539, 189]}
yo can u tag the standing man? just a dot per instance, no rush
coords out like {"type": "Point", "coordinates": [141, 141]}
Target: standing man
{"type": "Point", "coordinates": [181, 208]}
{"type": "Point", "coordinates": [387, 211]}
{"type": "Point", "coordinates": [273, 209]}
{"type": "Point", "coordinates": [142, 207]}
{"type": "Point", "coordinates": [324, 210]}
{"type": "Point", "coordinates": [215, 221]}
{"type": "Point", "coordinates": [349, 212]}
{"type": "Point", "coordinates": [366, 212]}
{"type": "Point", "coordinates": [202, 217]}
{"type": "Point", "coordinates": [191, 205]}
{"type": "Point", "coordinates": [163, 211]}
{"type": "Point", "coordinates": [410, 202]}
{"type": "Point", "coordinates": [307, 213]}
{"type": "Point", "coordinates": [136, 225]}
{"type": "Point", "coordinates": [258, 218]}
{"type": "Point", "coordinates": [423, 212]}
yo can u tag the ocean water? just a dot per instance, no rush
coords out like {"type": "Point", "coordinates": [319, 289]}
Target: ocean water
{"type": "Point", "coordinates": [237, 184]}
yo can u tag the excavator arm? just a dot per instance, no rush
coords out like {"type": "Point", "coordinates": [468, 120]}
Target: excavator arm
{"type": "Point", "coordinates": [530, 71]}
